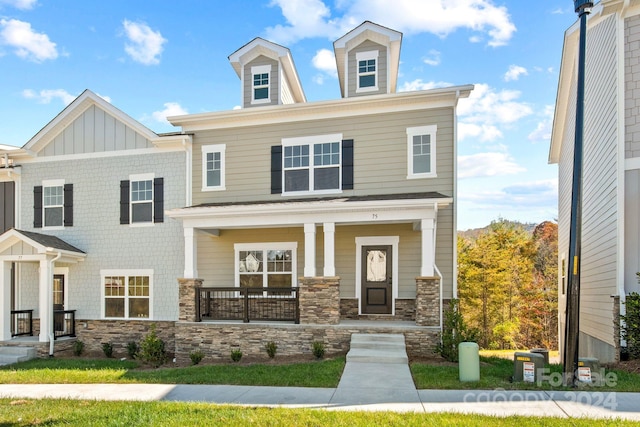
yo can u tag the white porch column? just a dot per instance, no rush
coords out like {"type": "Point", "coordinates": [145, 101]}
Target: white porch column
{"type": "Point", "coordinates": [428, 260]}
{"type": "Point", "coordinates": [309, 250]}
{"type": "Point", "coordinates": [46, 300]}
{"type": "Point", "coordinates": [329, 249]}
{"type": "Point", "coordinates": [190, 253]}
{"type": "Point", "coordinates": [5, 301]}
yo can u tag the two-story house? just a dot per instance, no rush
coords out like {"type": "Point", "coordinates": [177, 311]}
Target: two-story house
{"type": "Point", "coordinates": [611, 172]}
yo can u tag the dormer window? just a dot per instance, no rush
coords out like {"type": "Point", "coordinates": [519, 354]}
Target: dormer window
{"type": "Point", "coordinates": [367, 71]}
{"type": "Point", "coordinates": [260, 84]}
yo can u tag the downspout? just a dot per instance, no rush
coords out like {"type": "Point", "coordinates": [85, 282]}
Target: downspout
{"type": "Point", "coordinates": [50, 298]}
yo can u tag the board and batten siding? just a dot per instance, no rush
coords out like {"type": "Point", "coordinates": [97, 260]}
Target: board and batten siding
{"type": "Point", "coordinates": [380, 155]}
{"type": "Point", "coordinates": [381, 64]}
{"type": "Point", "coordinates": [274, 81]}
{"type": "Point", "coordinates": [93, 131]}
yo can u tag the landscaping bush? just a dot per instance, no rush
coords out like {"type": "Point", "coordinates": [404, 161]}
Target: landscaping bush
{"type": "Point", "coordinates": [271, 348]}
{"type": "Point", "coordinates": [236, 355]}
{"type": "Point", "coordinates": [107, 349]}
{"type": "Point", "coordinates": [317, 347]}
{"type": "Point", "coordinates": [152, 349]}
{"type": "Point", "coordinates": [196, 357]}
{"type": "Point", "coordinates": [630, 327]}
{"type": "Point", "coordinates": [454, 332]}
{"type": "Point", "coordinates": [78, 348]}
{"type": "Point", "coordinates": [132, 349]}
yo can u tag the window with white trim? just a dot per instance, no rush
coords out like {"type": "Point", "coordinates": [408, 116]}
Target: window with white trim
{"type": "Point", "coordinates": [260, 84]}
{"type": "Point", "coordinates": [213, 167]}
{"type": "Point", "coordinates": [421, 148]}
{"type": "Point", "coordinates": [53, 203]}
{"type": "Point", "coordinates": [127, 293]}
{"type": "Point", "coordinates": [265, 265]}
{"type": "Point", "coordinates": [312, 164]}
{"type": "Point", "coordinates": [141, 198]}
{"type": "Point", "coordinates": [367, 75]}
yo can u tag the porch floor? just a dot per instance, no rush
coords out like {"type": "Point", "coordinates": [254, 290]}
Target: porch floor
{"type": "Point", "coordinates": [399, 324]}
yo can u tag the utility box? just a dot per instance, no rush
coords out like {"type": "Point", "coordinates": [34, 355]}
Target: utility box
{"type": "Point", "coordinates": [527, 367]}
{"type": "Point", "coordinates": [543, 351]}
{"type": "Point", "coordinates": [468, 362]}
{"type": "Point", "coordinates": [589, 371]}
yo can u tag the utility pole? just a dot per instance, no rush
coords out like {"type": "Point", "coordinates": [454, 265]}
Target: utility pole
{"type": "Point", "coordinates": [572, 324]}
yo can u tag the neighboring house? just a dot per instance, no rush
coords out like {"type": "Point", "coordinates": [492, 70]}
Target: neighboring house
{"type": "Point", "coordinates": [611, 173]}
{"type": "Point", "coordinates": [84, 205]}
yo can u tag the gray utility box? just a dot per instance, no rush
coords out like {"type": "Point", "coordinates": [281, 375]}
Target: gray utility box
{"type": "Point", "coordinates": [589, 371]}
{"type": "Point", "coordinates": [527, 367]}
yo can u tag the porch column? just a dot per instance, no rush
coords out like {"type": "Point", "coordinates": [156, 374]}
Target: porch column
{"type": "Point", "coordinates": [428, 247]}
{"type": "Point", "coordinates": [309, 250]}
{"type": "Point", "coordinates": [190, 253]}
{"type": "Point", "coordinates": [5, 301]}
{"type": "Point", "coordinates": [45, 286]}
{"type": "Point", "coordinates": [329, 249]}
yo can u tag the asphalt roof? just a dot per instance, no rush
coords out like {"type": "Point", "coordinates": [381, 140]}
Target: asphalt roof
{"type": "Point", "coordinates": [50, 241]}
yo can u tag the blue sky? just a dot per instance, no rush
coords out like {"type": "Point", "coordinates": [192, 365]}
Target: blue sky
{"type": "Point", "coordinates": [157, 58]}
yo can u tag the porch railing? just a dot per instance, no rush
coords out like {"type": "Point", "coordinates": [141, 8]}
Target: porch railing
{"type": "Point", "coordinates": [247, 304]}
{"type": "Point", "coordinates": [64, 323]}
{"type": "Point", "coordinates": [21, 322]}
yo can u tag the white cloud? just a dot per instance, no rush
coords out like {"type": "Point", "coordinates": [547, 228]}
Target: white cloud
{"type": "Point", "coordinates": [145, 45]}
{"type": "Point", "coordinates": [325, 61]}
{"type": "Point", "coordinates": [312, 18]}
{"type": "Point", "coordinates": [433, 59]}
{"type": "Point", "coordinates": [514, 73]}
{"type": "Point", "coordinates": [20, 4]}
{"type": "Point", "coordinates": [487, 164]}
{"type": "Point", "coordinates": [483, 131]}
{"type": "Point", "coordinates": [45, 96]}
{"type": "Point", "coordinates": [170, 109]}
{"type": "Point", "coordinates": [418, 84]}
{"type": "Point", "coordinates": [543, 130]}
{"type": "Point", "coordinates": [28, 44]}
{"type": "Point", "coordinates": [486, 109]}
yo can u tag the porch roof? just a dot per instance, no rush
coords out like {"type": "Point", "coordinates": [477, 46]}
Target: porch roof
{"type": "Point", "coordinates": [40, 244]}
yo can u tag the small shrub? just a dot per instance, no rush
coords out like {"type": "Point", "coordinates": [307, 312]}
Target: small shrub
{"type": "Point", "coordinates": [236, 355]}
{"type": "Point", "coordinates": [271, 348]}
{"type": "Point", "coordinates": [107, 349]}
{"type": "Point", "coordinates": [152, 349]}
{"type": "Point", "coordinates": [132, 349]}
{"type": "Point", "coordinates": [196, 357]}
{"type": "Point", "coordinates": [318, 349]}
{"type": "Point", "coordinates": [78, 348]}
{"type": "Point", "coordinates": [454, 332]}
{"type": "Point", "coordinates": [630, 327]}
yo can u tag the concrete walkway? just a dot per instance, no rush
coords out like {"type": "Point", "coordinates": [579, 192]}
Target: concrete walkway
{"type": "Point", "coordinates": [376, 378]}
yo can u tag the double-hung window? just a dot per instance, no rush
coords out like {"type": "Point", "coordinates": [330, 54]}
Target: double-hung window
{"type": "Point", "coordinates": [367, 77]}
{"type": "Point", "coordinates": [53, 204]}
{"type": "Point", "coordinates": [213, 167]}
{"type": "Point", "coordinates": [265, 265]}
{"type": "Point", "coordinates": [312, 164]}
{"type": "Point", "coordinates": [127, 293]}
{"type": "Point", "coordinates": [142, 200]}
{"type": "Point", "coordinates": [421, 148]}
{"type": "Point", "coordinates": [260, 84]}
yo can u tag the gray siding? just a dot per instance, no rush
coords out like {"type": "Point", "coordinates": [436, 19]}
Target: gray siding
{"type": "Point", "coordinates": [352, 68]}
{"type": "Point", "coordinates": [97, 230]}
{"type": "Point", "coordinates": [632, 86]}
{"type": "Point", "coordinates": [631, 230]}
{"type": "Point", "coordinates": [94, 131]}
{"type": "Point", "coordinates": [274, 81]}
{"type": "Point", "coordinates": [380, 154]}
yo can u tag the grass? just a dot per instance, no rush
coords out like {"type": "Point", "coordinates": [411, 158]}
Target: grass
{"type": "Point", "coordinates": [325, 373]}
{"type": "Point", "coordinates": [496, 372]}
{"type": "Point", "coordinates": [54, 412]}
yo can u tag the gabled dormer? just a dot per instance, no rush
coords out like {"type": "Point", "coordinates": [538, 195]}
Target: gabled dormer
{"type": "Point", "coordinates": [368, 58]}
{"type": "Point", "coordinates": [267, 73]}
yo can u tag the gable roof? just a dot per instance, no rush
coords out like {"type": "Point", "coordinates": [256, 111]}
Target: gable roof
{"type": "Point", "coordinates": [377, 33]}
{"type": "Point", "coordinates": [42, 244]}
{"type": "Point", "coordinates": [260, 46]}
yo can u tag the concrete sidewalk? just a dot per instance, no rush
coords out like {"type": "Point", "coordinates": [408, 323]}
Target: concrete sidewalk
{"type": "Point", "coordinates": [564, 404]}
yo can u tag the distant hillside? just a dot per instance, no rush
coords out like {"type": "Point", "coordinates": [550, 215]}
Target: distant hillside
{"type": "Point", "coordinates": [473, 233]}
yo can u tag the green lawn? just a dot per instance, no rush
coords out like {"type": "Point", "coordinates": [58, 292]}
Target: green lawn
{"type": "Point", "coordinates": [49, 412]}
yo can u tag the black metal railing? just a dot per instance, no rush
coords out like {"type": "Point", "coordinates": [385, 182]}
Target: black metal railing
{"type": "Point", "coordinates": [247, 304]}
{"type": "Point", "coordinates": [21, 322]}
{"type": "Point", "coordinates": [64, 323]}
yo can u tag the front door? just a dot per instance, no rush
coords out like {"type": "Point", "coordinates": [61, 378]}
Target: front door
{"type": "Point", "coordinates": [58, 301]}
{"type": "Point", "coordinates": [376, 279]}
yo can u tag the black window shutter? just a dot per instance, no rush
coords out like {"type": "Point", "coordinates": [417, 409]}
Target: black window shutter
{"type": "Point", "coordinates": [124, 202]}
{"type": "Point", "coordinates": [347, 164]}
{"type": "Point", "coordinates": [276, 169]}
{"type": "Point", "coordinates": [158, 200]}
{"type": "Point", "coordinates": [37, 206]}
{"type": "Point", "coordinates": [68, 205]}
